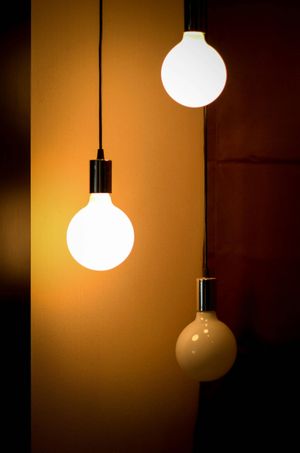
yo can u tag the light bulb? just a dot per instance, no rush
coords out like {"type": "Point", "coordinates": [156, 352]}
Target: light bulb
{"type": "Point", "coordinates": [100, 236]}
{"type": "Point", "coordinates": [206, 349]}
{"type": "Point", "coordinates": [193, 73]}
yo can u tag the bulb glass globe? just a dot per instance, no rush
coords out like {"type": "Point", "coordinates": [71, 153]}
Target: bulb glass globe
{"type": "Point", "coordinates": [193, 73]}
{"type": "Point", "coordinates": [206, 348]}
{"type": "Point", "coordinates": [100, 236]}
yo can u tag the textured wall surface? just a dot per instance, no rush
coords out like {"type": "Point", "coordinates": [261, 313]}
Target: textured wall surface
{"type": "Point", "coordinates": [104, 375]}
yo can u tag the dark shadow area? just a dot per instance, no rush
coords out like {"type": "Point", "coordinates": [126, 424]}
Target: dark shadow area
{"type": "Point", "coordinates": [253, 407]}
{"type": "Point", "coordinates": [15, 225]}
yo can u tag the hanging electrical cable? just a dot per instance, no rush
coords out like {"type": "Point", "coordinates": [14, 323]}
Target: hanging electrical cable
{"type": "Point", "coordinates": [100, 154]}
{"type": "Point", "coordinates": [205, 271]}
{"type": "Point", "coordinates": [100, 236]}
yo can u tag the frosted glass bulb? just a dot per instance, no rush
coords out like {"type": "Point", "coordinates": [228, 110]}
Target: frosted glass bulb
{"type": "Point", "coordinates": [100, 236]}
{"type": "Point", "coordinates": [193, 73]}
{"type": "Point", "coordinates": [206, 349]}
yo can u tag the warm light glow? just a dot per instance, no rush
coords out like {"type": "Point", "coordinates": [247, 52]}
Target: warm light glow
{"type": "Point", "coordinates": [206, 349]}
{"type": "Point", "coordinates": [100, 236]}
{"type": "Point", "coordinates": [193, 73]}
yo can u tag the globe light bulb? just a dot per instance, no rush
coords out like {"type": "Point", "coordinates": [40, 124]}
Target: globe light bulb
{"type": "Point", "coordinates": [100, 236]}
{"type": "Point", "coordinates": [206, 349]}
{"type": "Point", "coordinates": [193, 73]}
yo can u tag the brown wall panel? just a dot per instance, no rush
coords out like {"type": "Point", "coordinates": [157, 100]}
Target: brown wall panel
{"type": "Point", "coordinates": [254, 170]}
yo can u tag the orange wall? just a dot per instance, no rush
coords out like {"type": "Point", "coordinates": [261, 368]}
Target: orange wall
{"type": "Point", "coordinates": [104, 374]}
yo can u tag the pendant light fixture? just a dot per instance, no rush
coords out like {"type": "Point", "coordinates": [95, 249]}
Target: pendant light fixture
{"type": "Point", "coordinates": [100, 236]}
{"type": "Point", "coordinates": [193, 73]}
{"type": "Point", "coordinates": [206, 349]}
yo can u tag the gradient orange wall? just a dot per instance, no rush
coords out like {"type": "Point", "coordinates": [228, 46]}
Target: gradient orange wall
{"type": "Point", "coordinates": [104, 374]}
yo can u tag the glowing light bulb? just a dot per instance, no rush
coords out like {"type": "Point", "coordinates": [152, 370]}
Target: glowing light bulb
{"type": "Point", "coordinates": [100, 236]}
{"type": "Point", "coordinates": [193, 73]}
{"type": "Point", "coordinates": [206, 349]}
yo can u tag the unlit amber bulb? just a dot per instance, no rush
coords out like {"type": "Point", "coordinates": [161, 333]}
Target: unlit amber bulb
{"type": "Point", "coordinates": [206, 349]}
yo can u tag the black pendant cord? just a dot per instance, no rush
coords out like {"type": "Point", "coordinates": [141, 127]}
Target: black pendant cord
{"type": "Point", "coordinates": [205, 270]}
{"type": "Point", "coordinates": [100, 169]}
{"type": "Point", "coordinates": [100, 154]}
